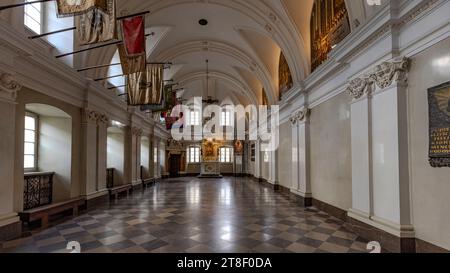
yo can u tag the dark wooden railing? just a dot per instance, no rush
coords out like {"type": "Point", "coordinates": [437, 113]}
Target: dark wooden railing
{"type": "Point", "coordinates": [38, 190]}
{"type": "Point", "coordinates": [110, 178]}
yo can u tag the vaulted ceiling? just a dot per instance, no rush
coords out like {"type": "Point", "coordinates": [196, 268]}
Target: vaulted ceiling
{"type": "Point", "coordinates": [242, 41]}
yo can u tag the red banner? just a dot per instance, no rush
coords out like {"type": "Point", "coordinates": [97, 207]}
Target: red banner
{"type": "Point", "coordinates": [133, 33]}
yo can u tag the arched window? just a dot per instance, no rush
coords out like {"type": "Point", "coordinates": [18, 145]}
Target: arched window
{"type": "Point", "coordinates": [284, 76]}
{"type": "Point", "coordinates": [329, 26]}
{"type": "Point", "coordinates": [33, 17]}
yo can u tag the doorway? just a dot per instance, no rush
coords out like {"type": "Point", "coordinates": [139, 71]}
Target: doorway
{"type": "Point", "coordinates": [174, 165]}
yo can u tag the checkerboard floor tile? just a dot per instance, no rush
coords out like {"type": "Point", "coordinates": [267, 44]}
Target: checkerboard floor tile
{"type": "Point", "coordinates": [188, 215]}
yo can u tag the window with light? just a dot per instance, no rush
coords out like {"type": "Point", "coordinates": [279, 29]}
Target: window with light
{"type": "Point", "coordinates": [226, 155]}
{"type": "Point", "coordinates": [33, 17]}
{"type": "Point", "coordinates": [194, 155]}
{"type": "Point", "coordinates": [155, 155]}
{"type": "Point", "coordinates": [194, 118]}
{"type": "Point", "coordinates": [266, 157]}
{"type": "Point", "coordinates": [30, 142]}
{"type": "Point", "coordinates": [225, 118]}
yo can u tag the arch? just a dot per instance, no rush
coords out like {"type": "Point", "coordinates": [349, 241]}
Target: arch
{"type": "Point", "coordinates": [53, 146]}
{"type": "Point", "coordinates": [227, 50]}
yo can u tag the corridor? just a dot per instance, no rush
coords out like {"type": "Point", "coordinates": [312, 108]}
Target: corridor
{"type": "Point", "coordinates": [186, 215]}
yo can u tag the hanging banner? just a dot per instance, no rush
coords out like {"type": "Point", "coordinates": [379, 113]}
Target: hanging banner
{"type": "Point", "coordinates": [97, 26]}
{"type": "Point", "coordinates": [133, 35]}
{"type": "Point", "coordinates": [146, 88]}
{"type": "Point", "coordinates": [131, 65]}
{"type": "Point", "coordinates": [66, 8]}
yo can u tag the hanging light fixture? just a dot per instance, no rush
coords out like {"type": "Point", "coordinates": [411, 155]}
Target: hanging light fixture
{"type": "Point", "coordinates": [210, 99]}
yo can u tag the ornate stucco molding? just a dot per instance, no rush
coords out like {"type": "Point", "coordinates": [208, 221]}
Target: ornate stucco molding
{"type": "Point", "coordinates": [90, 116]}
{"type": "Point", "coordinates": [299, 116]}
{"type": "Point", "coordinates": [382, 76]}
{"type": "Point", "coordinates": [136, 131]}
{"type": "Point", "coordinates": [8, 87]}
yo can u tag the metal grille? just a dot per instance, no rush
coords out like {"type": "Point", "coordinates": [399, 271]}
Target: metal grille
{"type": "Point", "coordinates": [38, 190]}
{"type": "Point", "coordinates": [110, 178]}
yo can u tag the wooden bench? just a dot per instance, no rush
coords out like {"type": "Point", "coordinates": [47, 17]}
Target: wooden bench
{"type": "Point", "coordinates": [114, 192]}
{"type": "Point", "coordinates": [43, 213]}
{"type": "Point", "coordinates": [147, 182]}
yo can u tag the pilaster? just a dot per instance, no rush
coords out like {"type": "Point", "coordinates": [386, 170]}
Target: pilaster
{"type": "Point", "coordinates": [10, 225]}
{"type": "Point", "coordinates": [380, 175]}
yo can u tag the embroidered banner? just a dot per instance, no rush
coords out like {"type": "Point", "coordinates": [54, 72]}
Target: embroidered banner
{"type": "Point", "coordinates": [67, 8]}
{"type": "Point", "coordinates": [131, 65]}
{"type": "Point", "coordinates": [97, 26]}
{"type": "Point", "coordinates": [146, 88]}
{"type": "Point", "coordinates": [133, 35]}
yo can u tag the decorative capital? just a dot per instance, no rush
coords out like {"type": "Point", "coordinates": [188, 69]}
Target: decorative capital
{"type": "Point", "coordinates": [8, 87]}
{"type": "Point", "coordinates": [90, 116]}
{"type": "Point", "coordinates": [382, 76]}
{"type": "Point", "coordinates": [299, 116]}
{"type": "Point", "coordinates": [136, 131]}
{"type": "Point", "coordinates": [102, 119]}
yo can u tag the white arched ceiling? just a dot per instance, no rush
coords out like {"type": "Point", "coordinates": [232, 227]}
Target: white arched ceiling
{"type": "Point", "coordinates": [242, 35]}
{"type": "Point", "coordinates": [231, 86]}
{"type": "Point", "coordinates": [267, 51]}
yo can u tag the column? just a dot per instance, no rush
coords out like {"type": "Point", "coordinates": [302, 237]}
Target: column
{"type": "Point", "coordinates": [136, 134]}
{"type": "Point", "coordinates": [258, 159]}
{"type": "Point", "coordinates": [380, 176]}
{"type": "Point", "coordinates": [128, 169]}
{"type": "Point", "coordinates": [102, 146]}
{"type": "Point", "coordinates": [10, 225]}
{"type": "Point", "coordinates": [301, 182]}
{"type": "Point", "coordinates": [151, 167]}
{"type": "Point", "coordinates": [89, 153]}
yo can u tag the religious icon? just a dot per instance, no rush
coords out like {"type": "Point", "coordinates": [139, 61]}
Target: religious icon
{"type": "Point", "coordinates": [238, 147]}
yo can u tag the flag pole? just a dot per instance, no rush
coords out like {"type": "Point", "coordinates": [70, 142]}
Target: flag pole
{"type": "Point", "coordinates": [113, 64]}
{"type": "Point", "coordinates": [51, 33]}
{"type": "Point", "coordinates": [73, 28]}
{"type": "Point", "coordinates": [95, 47]}
{"type": "Point", "coordinates": [22, 4]}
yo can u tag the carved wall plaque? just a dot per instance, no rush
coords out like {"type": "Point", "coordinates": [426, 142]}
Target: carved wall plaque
{"type": "Point", "coordinates": [439, 116]}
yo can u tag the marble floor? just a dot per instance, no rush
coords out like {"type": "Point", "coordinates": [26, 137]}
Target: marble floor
{"type": "Point", "coordinates": [188, 215]}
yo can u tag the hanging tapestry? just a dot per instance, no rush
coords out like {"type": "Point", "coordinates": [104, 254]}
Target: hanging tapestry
{"type": "Point", "coordinates": [132, 64]}
{"type": "Point", "coordinates": [146, 88]}
{"type": "Point", "coordinates": [133, 35]}
{"type": "Point", "coordinates": [96, 26]}
{"type": "Point", "coordinates": [66, 8]}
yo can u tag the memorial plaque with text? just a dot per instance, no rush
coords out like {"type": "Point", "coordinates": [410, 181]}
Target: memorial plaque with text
{"type": "Point", "coordinates": [439, 115]}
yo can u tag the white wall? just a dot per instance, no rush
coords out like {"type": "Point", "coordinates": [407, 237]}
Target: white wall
{"type": "Point", "coordinates": [330, 153]}
{"type": "Point", "coordinates": [63, 41]}
{"type": "Point", "coordinates": [55, 153]}
{"type": "Point", "coordinates": [115, 155]}
{"type": "Point", "coordinates": [430, 186]}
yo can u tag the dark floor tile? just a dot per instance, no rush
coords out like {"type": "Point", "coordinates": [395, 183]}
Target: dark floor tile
{"type": "Point", "coordinates": [279, 242]}
{"type": "Point", "coordinates": [324, 230]}
{"type": "Point", "coordinates": [155, 244]}
{"type": "Point", "coordinates": [340, 241]}
{"type": "Point", "coordinates": [310, 242]}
